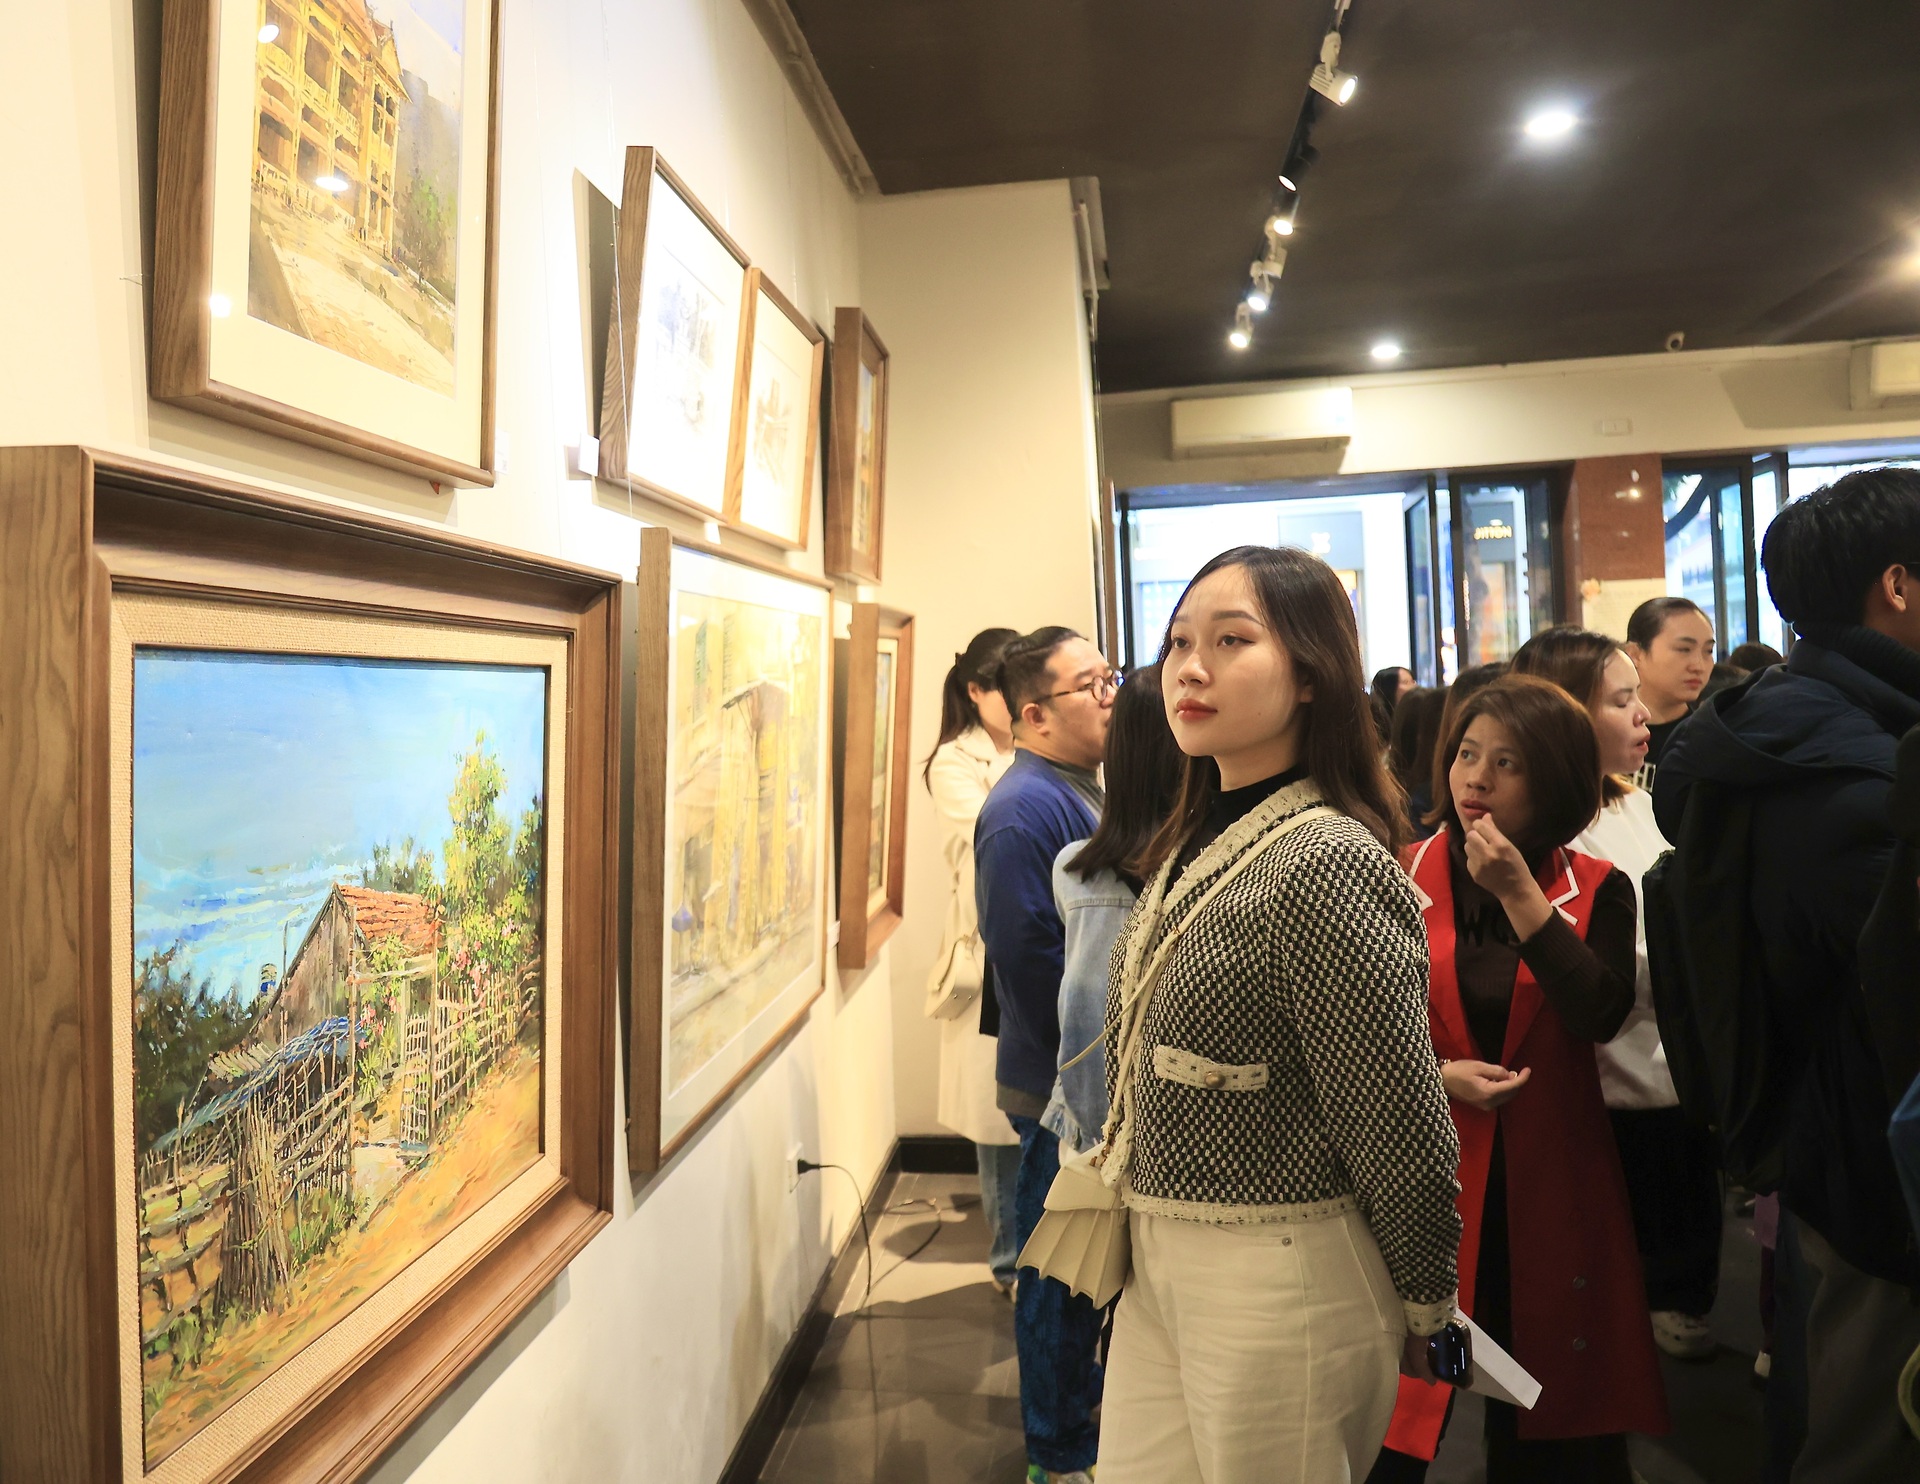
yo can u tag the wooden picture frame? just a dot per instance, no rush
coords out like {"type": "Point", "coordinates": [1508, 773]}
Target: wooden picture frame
{"type": "Point", "coordinates": [297, 288]}
{"type": "Point", "coordinates": [776, 418]}
{"type": "Point", "coordinates": [732, 770]}
{"type": "Point", "coordinates": [675, 343]}
{"type": "Point", "coordinates": [857, 449]}
{"type": "Point", "coordinates": [108, 564]}
{"type": "Point", "coordinates": [875, 764]}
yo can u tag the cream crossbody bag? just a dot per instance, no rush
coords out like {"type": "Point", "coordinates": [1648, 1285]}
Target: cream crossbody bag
{"type": "Point", "coordinates": [1081, 1239]}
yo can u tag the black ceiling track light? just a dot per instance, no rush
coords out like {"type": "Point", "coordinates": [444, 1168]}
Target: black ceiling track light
{"type": "Point", "coordinates": [1328, 82]}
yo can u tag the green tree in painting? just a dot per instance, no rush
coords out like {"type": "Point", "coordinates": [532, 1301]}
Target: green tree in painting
{"type": "Point", "coordinates": [406, 867]}
{"type": "Point", "coordinates": [527, 896]}
{"type": "Point", "coordinates": [489, 896]}
{"type": "Point", "coordinates": [426, 232]}
{"type": "Point", "coordinates": [178, 1026]}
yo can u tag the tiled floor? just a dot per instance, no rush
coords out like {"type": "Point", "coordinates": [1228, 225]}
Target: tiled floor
{"type": "Point", "coordinates": [920, 1385]}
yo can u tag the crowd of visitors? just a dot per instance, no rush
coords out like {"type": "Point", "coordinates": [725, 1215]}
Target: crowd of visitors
{"type": "Point", "coordinates": [1376, 1007]}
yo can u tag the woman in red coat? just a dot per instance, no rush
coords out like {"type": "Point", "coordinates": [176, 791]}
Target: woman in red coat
{"type": "Point", "coordinates": [1532, 949]}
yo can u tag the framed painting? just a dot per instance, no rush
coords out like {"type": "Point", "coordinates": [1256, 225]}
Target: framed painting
{"type": "Point", "coordinates": [324, 231]}
{"type": "Point", "coordinates": [729, 826]}
{"type": "Point", "coordinates": [857, 449]}
{"type": "Point", "coordinates": [311, 1069]}
{"type": "Point", "coordinates": [878, 702]}
{"type": "Point", "coordinates": [668, 404]}
{"type": "Point", "coordinates": [776, 424]}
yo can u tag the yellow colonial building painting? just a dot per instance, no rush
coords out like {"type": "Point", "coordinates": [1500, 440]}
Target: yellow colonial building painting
{"type": "Point", "coordinates": [355, 208]}
{"type": "Point", "coordinates": [745, 819]}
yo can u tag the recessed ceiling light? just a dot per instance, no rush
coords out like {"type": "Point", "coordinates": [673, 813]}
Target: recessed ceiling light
{"type": "Point", "coordinates": [1386, 350]}
{"type": "Point", "coordinates": [1551, 123]}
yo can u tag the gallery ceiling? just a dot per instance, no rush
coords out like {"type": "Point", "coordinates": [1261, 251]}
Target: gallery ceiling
{"type": "Point", "coordinates": [1743, 172]}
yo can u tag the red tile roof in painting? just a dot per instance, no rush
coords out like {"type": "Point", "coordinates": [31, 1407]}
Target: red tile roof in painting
{"type": "Point", "coordinates": [384, 914]}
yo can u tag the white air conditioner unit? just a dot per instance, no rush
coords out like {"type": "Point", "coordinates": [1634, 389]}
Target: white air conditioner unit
{"type": "Point", "coordinates": [1318, 418]}
{"type": "Point", "coordinates": [1883, 372]}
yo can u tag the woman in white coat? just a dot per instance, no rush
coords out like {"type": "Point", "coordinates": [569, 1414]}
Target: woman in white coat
{"type": "Point", "coordinates": [1673, 1178]}
{"type": "Point", "coordinates": [975, 748]}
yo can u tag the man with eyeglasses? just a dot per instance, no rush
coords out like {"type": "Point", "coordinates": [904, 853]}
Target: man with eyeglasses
{"type": "Point", "coordinates": [1059, 692]}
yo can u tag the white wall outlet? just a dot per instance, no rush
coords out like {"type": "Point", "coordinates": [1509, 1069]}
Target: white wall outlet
{"type": "Point", "coordinates": [794, 1155]}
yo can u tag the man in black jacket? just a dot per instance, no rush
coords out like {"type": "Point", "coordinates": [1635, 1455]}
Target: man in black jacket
{"type": "Point", "coordinates": [1809, 748]}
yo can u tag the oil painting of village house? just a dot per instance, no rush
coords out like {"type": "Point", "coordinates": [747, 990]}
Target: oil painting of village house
{"type": "Point", "coordinates": [356, 171]}
{"type": "Point", "coordinates": [339, 954]}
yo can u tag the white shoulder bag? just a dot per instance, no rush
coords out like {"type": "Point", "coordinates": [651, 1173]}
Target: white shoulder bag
{"type": "Point", "coordinates": [1081, 1239]}
{"type": "Point", "coordinates": [959, 970]}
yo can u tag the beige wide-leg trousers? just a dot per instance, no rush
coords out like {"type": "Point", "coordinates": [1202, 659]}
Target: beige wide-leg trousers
{"type": "Point", "coordinates": [1264, 1354]}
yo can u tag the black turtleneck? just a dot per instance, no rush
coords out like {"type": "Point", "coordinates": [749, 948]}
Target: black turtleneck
{"type": "Point", "coordinates": [1228, 808]}
{"type": "Point", "coordinates": [1589, 982]}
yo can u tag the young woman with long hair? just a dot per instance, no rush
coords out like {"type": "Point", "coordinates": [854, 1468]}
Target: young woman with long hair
{"type": "Point", "coordinates": [1278, 1127]}
{"type": "Point", "coordinates": [1672, 1172]}
{"type": "Point", "coordinates": [1095, 884]}
{"type": "Point", "coordinates": [1532, 948]}
{"type": "Point", "coordinates": [974, 748]}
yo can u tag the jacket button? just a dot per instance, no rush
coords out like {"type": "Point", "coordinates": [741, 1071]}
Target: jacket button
{"type": "Point", "coordinates": [1213, 1079]}
{"type": "Point", "coordinates": [1579, 1344]}
{"type": "Point", "coordinates": [1579, 1282]}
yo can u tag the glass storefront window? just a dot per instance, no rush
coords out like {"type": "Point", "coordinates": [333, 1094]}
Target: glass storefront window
{"type": "Point", "coordinates": [1419, 517]}
{"type": "Point", "coordinates": [1494, 559]}
{"type": "Point", "coordinates": [1766, 505]}
{"type": "Point", "coordinates": [1443, 546]}
{"type": "Point", "coordinates": [1688, 508]}
{"type": "Point", "coordinates": [1167, 536]}
{"type": "Point", "coordinates": [1731, 631]}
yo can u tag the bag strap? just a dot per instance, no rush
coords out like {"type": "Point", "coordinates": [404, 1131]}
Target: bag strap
{"type": "Point", "coordinates": [1139, 996]}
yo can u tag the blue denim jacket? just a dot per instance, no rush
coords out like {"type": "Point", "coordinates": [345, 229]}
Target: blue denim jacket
{"type": "Point", "coordinates": [1093, 913]}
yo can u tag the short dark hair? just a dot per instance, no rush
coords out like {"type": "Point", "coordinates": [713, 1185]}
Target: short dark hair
{"type": "Point", "coordinates": [1024, 664]}
{"type": "Point", "coordinates": [1649, 620]}
{"type": "Point", "coordinates": [1575, 660]}
{"type": "Point", "coordinates": [1823, 553]}
{"type": "Point", "coordinates": [1555, 739]}
{"type": "Point", "coordinates": [1753, 655]}
{"type": "Point", "coordinates": [1144, 769]}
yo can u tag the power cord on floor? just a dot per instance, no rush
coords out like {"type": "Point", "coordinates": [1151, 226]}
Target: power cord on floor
{"type": "Point", "coordinates": [807, 1166]}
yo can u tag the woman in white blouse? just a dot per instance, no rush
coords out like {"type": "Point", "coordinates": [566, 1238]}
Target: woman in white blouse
{"type": "Point", "coordinates": [975, 748]}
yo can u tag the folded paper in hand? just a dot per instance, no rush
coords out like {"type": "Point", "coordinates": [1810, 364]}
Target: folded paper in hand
{"type": "Point", "coordinates": [1496, 1373]}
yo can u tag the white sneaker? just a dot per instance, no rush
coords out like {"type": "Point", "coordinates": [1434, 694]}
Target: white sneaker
{"type": "Point", "coordinates": [1683, 1336]}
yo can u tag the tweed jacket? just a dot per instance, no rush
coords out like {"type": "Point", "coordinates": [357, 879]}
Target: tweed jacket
{"type": "Point", "coordinates": [1285, 1071]}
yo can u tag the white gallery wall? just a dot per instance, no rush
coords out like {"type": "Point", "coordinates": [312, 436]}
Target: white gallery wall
{"type": "Point", "coordinates": [991, 479]}
{"type": "Point", "coordinates": [646, 1358]}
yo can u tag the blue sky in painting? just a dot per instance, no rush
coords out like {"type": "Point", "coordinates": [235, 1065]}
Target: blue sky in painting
{"type": "Point", "coordinates": [259, 781]}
